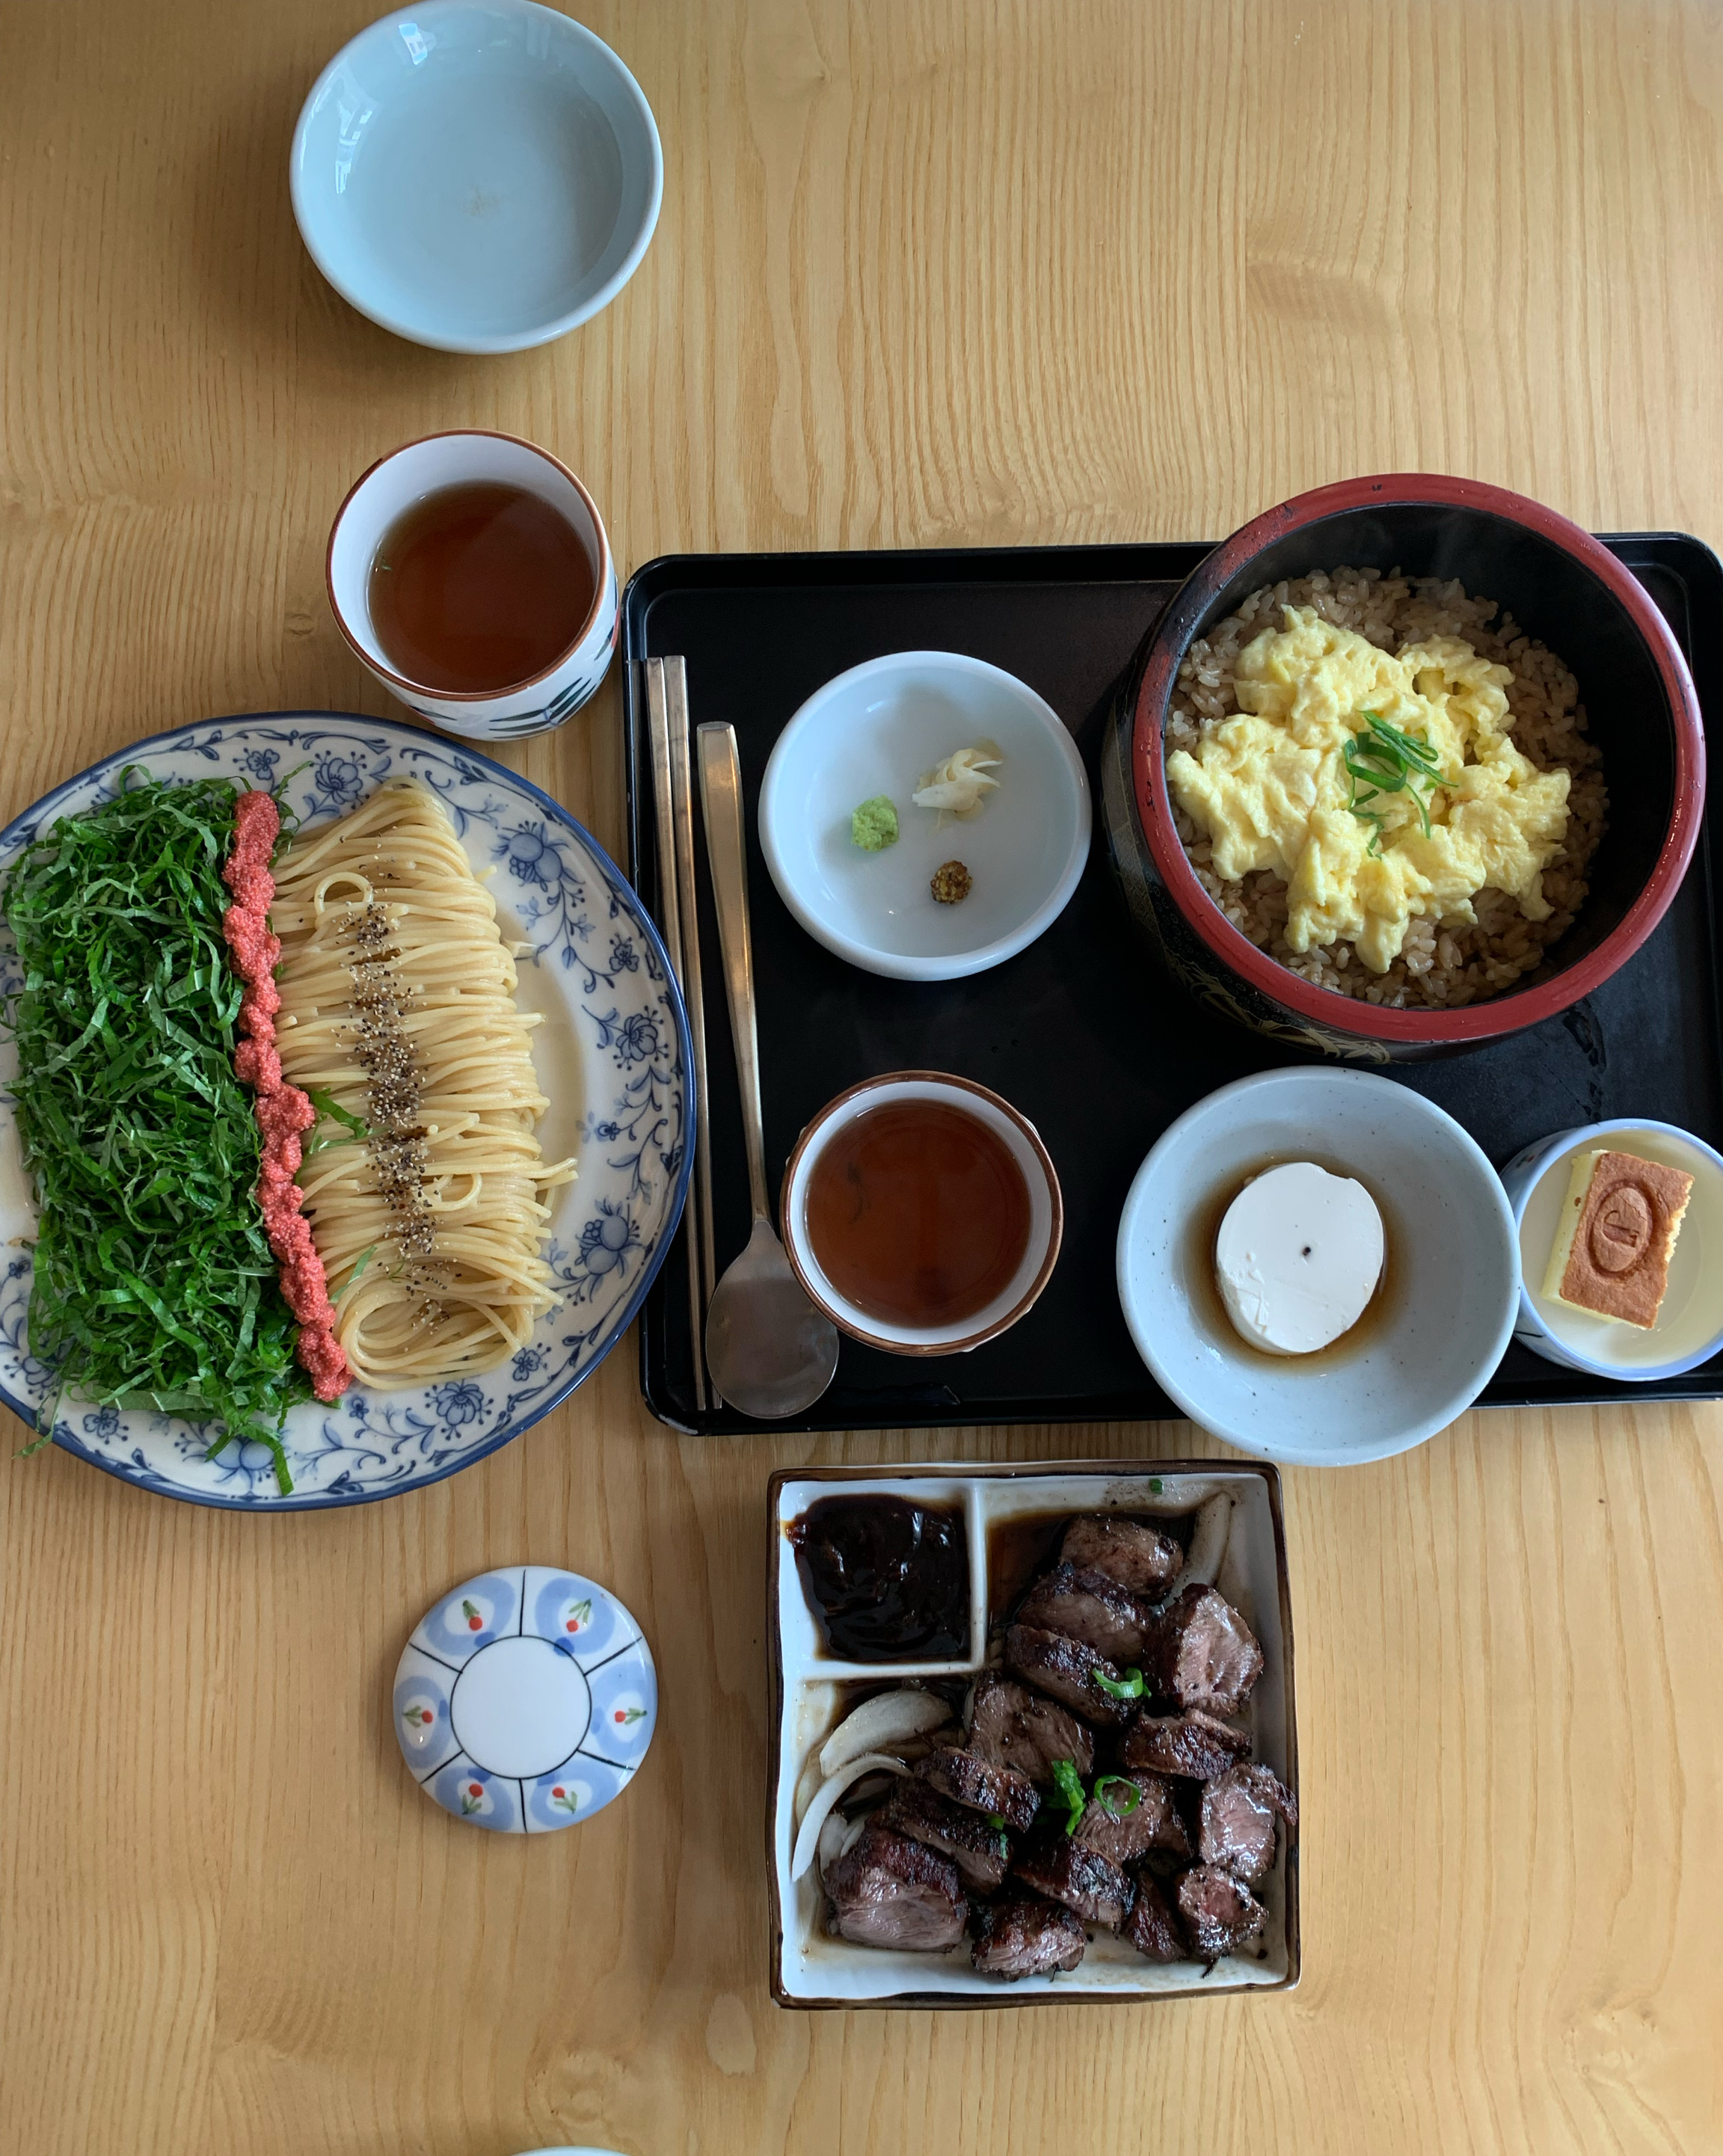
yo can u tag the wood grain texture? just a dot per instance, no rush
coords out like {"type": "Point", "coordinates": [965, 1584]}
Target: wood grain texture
{"type": "Point", "coordinates": [929, 271]}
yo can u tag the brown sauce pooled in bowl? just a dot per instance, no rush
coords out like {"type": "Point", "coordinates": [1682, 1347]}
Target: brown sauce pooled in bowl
{"type": "Point", "coordinates": [918, 1213]}
{"type": "Point", "coordinates": [888, 1580]}
{"type": "Point", "coordinates": [478, 586]}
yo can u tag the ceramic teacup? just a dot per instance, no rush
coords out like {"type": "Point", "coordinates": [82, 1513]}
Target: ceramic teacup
{"type": "Point", "coordinates": [407, 475]}
{"type": "Point", "coordinates": [1023, 1143]}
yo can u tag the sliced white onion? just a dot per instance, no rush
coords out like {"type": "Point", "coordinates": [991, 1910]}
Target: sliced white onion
{"type": "Point", "coordinates": [837, 1838]}
{"type": "Point", "coordinates": [825, 1796]}
{"type": "Point", "coordinates": [808, 1783]}
{"type": "Point", "coordinates": [1208, 1542]}
{"type": "Point", "coordinates": [889, 1717]}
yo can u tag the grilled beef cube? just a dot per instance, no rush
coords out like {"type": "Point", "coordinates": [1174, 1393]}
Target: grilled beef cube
{"type": "Point", "coordinates": [1151, 1927]}
{"type": "Point", "coordinates": [887, 1890]}
{"type": "Point", "coordinates": [1219, 1911]}
{"type": "Point", "coordinates": [1090, 1607]}
{"type": "Point", "coordinates": [980, 1852]}
{"type": "Point", "coordinates": [1202, 1653]}
{"type": "Point", "coordinates": [1139, 1557]}
{"type": "Point", "coordinates": [1065, 1670]}
{"type": "Point", "coordinates": [967, 1779]}
{"type": "Point", "coordinates": [1196, 1745]}
{"type": "Point", "coordinates": [1014, 1727]}
{"type": "Point", "coordinates": [1022, 1935]}
{"type": "Point", "coordinates": [1122, 1836]}
{"type": "Point", "coordinates": [1059, 1866]}
{"type": "Point", "coordinates": [1239, 1815]}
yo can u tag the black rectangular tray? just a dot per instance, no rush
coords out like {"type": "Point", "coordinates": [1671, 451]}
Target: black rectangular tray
{"type": "Point", "coordinates": [1084, 1031]}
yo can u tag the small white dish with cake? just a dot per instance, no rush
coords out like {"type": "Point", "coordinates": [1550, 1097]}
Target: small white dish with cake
{"type": "Point", "coordinates": [1620, 1228]}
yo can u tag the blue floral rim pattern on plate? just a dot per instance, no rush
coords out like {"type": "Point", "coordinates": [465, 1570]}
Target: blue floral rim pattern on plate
{"type": "Point", "coordinates": [612, 1053]}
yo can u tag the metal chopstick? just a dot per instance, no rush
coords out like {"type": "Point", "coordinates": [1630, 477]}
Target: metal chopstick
{"type": "Point", "coordinates": [670, 911]}
{"type": "Point", "coordinates": [682, 784]}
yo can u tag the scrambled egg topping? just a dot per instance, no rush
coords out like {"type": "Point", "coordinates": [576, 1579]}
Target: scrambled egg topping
{"type": "Point", "coordinates": [1270, 788]}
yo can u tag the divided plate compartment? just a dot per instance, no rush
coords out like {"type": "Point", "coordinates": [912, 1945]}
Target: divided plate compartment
{"type": "Point", "coordinates": [810, 1967]}
{"type": "Point", "coordinates": [1082, 1032]}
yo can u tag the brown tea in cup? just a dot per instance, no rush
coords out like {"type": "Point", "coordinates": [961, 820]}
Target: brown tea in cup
{"type": "Point", "coordinates": [478, 586]}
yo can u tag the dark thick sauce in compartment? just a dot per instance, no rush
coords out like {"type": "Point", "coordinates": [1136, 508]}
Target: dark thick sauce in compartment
{"type": "Point", "coordinates": [478, 586]}
{"type": "Point", "coordinates": [1198, 1262]}
{"type": "Point", "coordinates": [919, 1213]}
{"type": "Point", "coordinates": [888, 1580]}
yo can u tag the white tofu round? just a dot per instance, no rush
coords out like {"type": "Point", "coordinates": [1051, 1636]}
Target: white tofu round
{"type": "Point", "coordinates": [1298, 1257]}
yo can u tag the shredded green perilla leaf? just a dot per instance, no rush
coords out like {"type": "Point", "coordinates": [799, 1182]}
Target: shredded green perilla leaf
{"type": "Point", "coordinates": [155, 1285]}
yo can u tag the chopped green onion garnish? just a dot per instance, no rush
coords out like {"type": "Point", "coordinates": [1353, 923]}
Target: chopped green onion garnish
{"type": "Point", "coordinates": [1127, 1803]}
{"type": "Point", "coordinates": [1388, 760]}
{"type": "Point", "coordinates": [1129, 1687]}
{"type": "Point", "coordinates": [1069, 1785]}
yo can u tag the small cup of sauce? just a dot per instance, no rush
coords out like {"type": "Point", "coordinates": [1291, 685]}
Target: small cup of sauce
{"type": "Point", "coordinates": [921, 1213]}
{"type": "Point", "coordinates": [472, 575]}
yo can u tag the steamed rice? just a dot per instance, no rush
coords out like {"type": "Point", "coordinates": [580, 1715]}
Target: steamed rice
{"type": "Point", "coordinates": [1439, 967]}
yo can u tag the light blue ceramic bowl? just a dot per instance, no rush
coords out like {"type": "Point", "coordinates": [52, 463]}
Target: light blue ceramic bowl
{"type": "Point", "coordinates": [477, 175]}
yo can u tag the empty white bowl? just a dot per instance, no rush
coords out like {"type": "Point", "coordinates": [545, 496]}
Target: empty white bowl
{"type": "Point", "coordinates": [1689, 1327]}
{"type": "Point", "coordinates": [1442, 1318]}
{"type": "Point", "coordinates": [877, 730]}
{"type": "Point", "coordinates": [477, 175]}
{"type": "Point", "coordinates": [1047, 1214]}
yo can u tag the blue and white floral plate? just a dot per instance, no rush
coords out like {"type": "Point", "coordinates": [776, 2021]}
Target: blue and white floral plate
{"type": "Point", "coordinates": [610, 1054]}
{"type": "Point", "coordinates": [525, 1699]}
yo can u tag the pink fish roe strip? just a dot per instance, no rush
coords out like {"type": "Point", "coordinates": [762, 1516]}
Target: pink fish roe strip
{"type": "Point", "coordinates": [284, 1112]}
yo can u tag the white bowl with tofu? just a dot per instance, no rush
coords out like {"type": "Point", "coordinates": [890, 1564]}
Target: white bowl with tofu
{"type": "Point", "coordinates": [1329, 1319]}
{"type": "Point", "coordinates": [1548, 1201]}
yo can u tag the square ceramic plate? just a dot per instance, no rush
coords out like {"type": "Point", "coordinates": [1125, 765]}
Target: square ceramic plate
{"type": "Point", "coordinates": [809, 1967]}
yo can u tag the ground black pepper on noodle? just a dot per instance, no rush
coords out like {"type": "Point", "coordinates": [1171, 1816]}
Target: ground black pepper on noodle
{"type": "Point", "coordinates": [396, 1138]}
{"type": "Point", "coordinates": [1438, 968]}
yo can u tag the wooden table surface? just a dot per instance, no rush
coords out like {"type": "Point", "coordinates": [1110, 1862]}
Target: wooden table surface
{"type": "Point", "coordinates": [927, 272]}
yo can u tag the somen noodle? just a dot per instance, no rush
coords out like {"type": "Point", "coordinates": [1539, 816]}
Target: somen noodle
{"type": "Point", "coordinates": [397, 1003]}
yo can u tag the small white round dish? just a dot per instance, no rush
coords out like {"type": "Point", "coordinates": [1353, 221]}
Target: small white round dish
{"type": "Point", "coordinates": [477, 176]}
{"type": "Point", "coordinates": [1690, 1325]}
{"type": "Point", "coordinates": [878, 729]}
{"type": "Point", "coordinates": [1046, 1213]}
{"type": "Point", "coordinates": [525, 1699]}
{"type": "Point", "coordinates": [1440, 1322]}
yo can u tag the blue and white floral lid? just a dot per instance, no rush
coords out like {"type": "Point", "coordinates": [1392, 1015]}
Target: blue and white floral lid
{"type": "Point", "coordinates": [525, 1699]}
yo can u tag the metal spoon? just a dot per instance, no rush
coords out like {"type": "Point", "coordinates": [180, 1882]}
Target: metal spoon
{"type": "Point", "coordinates": [770, 1353]}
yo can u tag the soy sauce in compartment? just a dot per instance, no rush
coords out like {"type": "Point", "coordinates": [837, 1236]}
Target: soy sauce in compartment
{"type": "Point", "coordinates": [888, 1580]}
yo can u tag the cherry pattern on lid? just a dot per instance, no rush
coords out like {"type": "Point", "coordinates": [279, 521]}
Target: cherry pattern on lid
{"type": "Point", "coordinates": [547, 1673]}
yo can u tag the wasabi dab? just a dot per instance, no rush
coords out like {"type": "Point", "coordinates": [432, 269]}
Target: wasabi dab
{"type": "Point", "coordinates": [873, 825]}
